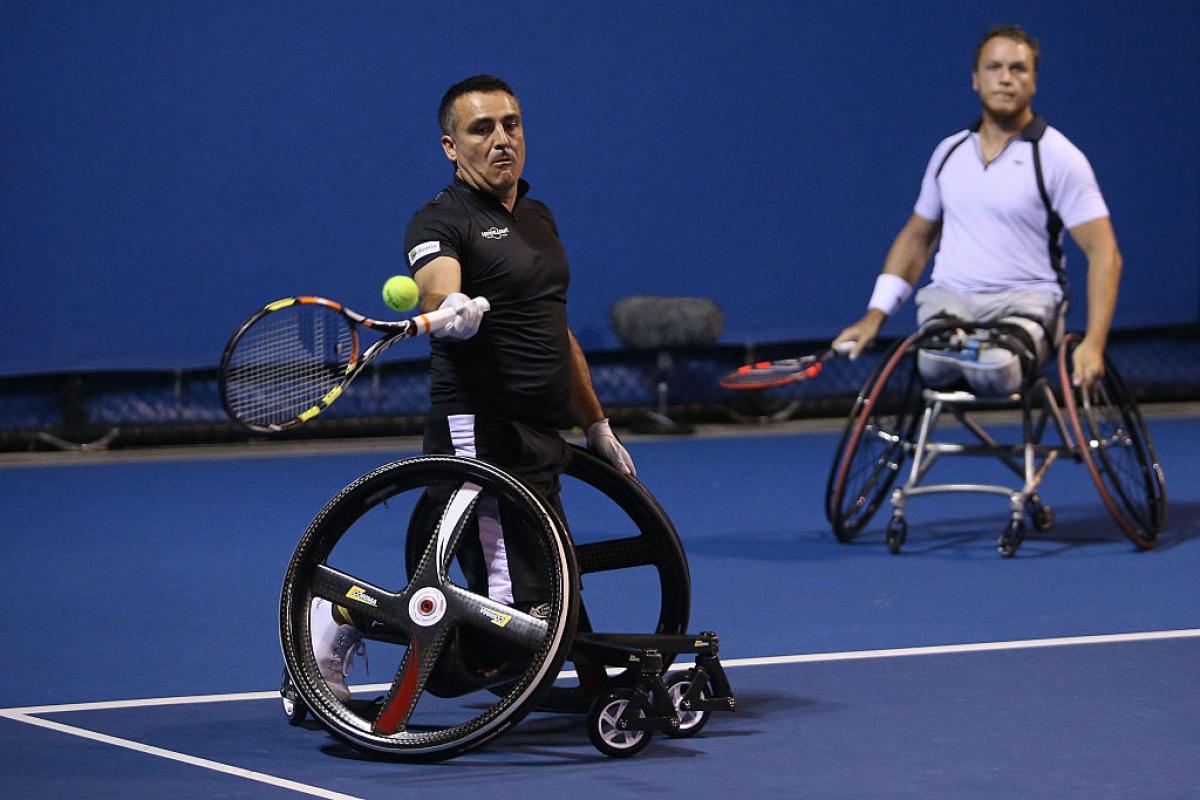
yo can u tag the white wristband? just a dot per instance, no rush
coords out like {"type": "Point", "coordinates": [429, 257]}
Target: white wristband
{"type": "Point", "coordinates": [890, 293]}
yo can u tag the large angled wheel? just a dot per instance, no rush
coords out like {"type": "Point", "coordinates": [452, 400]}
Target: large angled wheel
{"type": "Point", "coordinates": [875, 441]}
{"type": "Point", "coordinates": [353, 554]}
{"type": "Point", "coordinates": [1117, 450]}
{"type": "Point", "coordinates": [618, 526]}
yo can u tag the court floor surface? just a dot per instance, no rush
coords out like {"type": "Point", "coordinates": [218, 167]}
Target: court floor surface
{"type": "Point", "coordinates": [143, 656]}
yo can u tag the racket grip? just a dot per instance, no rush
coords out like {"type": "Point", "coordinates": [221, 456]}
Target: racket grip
{"type": "Point", "coordinates": [842, 348]}
{"type": "Point", "coordinates": [440, 318]}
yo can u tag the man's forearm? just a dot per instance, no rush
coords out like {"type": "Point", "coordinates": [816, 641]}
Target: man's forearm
{"type": "Point", "coordinates": [1104, 275]}
{"type": "Point", "coordinates": [432, 301]}
{"type": "Point", "coordinates": [585, 405]}
{"type": "Point", "coordinates": [908, 254]}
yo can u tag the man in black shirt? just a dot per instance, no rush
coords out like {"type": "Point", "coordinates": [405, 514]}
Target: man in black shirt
{"type": "Point", "coordinates": [504, 383]}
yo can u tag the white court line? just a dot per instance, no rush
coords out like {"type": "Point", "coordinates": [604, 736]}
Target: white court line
{"type": "Point", "coordinates": [806, 658]}
{"type": "Point", "coordinates": [980, 647]}
{"type": "Point", "coordinates": [25, 714]}
{"type": "Point", "coordinates": [216, 766]}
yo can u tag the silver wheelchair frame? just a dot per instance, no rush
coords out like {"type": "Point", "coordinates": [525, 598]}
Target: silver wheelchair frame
{"type": "Point", "coordinates": [895, 418]}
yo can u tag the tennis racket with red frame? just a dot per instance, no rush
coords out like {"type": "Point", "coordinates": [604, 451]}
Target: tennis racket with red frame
{"type": "Point", "coordinates": [765, 374]}
{"type": "Point", "coordinates": [292, 359]}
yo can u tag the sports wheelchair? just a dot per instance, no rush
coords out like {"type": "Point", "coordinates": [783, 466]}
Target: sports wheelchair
{"type": "Point", "coordinates": [468, 668]}
{"type": "Point", "coordinates": [896, 415]}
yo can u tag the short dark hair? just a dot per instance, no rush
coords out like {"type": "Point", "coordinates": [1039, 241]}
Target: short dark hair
{"type": "Point", "coordinates": [1013, 32]}
{"type": "Point", "coordinates": [486, 84]}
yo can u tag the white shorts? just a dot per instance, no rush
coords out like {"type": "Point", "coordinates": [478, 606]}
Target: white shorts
{"type": "Point", "coordinates": [988, 367]}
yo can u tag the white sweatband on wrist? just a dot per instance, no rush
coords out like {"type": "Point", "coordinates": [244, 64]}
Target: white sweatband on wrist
{"type": "Point", "coordinates": [890, 293]}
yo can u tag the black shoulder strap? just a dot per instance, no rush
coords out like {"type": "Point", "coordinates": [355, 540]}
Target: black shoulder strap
{"type": "Point", "coordinates": [973, 129]}
{"type": "Point", "coordinates": [1054, 225]}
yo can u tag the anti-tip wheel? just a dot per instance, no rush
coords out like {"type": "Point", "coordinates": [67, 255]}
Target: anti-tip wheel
{"type": "Point", "coordinates": [604, 730]}
{"type": "Point", "coordinates": [690, 721]}
{"type": "Point", "coordinates": [1011, 539]}
{"type": "Point", "coordinates": [1042, 516]}
{"type": "Point", "coordinates": [897, 533]}
{"type": "Point", "coordinates": [293, 707]}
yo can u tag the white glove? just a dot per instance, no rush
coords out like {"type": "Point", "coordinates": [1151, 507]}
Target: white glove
{"type": "Point", "coordinates": [602, 440]}
{"type": "Point", "coordinates": [466, 324]}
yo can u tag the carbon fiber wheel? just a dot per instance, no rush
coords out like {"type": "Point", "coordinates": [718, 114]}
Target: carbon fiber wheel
{"type": "Point", "coordinates": [353, 554]}
{"type": "Point", "coordinates": [619, 526]}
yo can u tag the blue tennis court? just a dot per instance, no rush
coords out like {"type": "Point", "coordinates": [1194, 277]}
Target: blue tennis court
{"type": "Point", "coordinates": [141, 592]}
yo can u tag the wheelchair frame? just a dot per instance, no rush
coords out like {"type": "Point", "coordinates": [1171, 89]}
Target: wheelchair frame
{"type": "Point", "coordinates": [896, 416]}
{"type": "Point", "coordinates": [623, 709]}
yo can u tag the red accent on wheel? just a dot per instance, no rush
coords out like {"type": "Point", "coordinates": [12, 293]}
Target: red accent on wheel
{"type": "Point", "coordinates": [404, 696]}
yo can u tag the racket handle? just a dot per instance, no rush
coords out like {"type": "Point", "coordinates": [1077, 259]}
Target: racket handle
{"type": "Point", "coordinates": [439, 318]}
{"type": "Point", "coordinates": [842, 348]}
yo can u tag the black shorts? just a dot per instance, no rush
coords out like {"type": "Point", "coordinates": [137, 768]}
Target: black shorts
{"type": "Point", "coordinates": [501, 561]}
{"type": "Point", "coordinates": [535, 455]}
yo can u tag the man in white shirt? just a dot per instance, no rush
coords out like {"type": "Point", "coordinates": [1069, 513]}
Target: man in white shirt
{"type": "Point", "coordinates": [998, 196]}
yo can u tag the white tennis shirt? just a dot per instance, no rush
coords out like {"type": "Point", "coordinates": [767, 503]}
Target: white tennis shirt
{"type": "Point", "coordinates": [994, 234]}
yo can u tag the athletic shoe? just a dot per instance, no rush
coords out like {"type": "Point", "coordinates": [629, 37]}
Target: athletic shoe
{"type": "Point", "coordinates": [338, 664]}
{"type": "Point", "coordinates": [540, 610]}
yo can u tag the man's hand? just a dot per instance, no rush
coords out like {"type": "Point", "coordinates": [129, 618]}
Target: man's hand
{"type": "Point", "coordinates": [862, 333]}
{"type": "Point", "coordinates": [1087, 363]}
{"type": "Point", "coordinates": [602, 441]}
{"type": "Point", "coordinates": [466, 324]}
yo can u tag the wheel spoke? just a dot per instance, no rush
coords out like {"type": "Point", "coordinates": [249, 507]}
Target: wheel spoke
{"type": "Point", "coordinates": [1116, 448]}
{"type": "Point", "coordinates": [503, 621]}
{"type": "Point", "coordinates": [365, 600]}
{"type": "Point", "coordinates": [1120, 454]}
{"type": "Point", "coordinates": [450, 527]}
{"type": "Point", "coordinates": [401, 700]}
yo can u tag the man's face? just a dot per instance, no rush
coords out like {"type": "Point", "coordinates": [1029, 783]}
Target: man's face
{"type": "Point", "coordinates": [1004, 77]}
{"type": "Point", "coordinates": [488, 144]}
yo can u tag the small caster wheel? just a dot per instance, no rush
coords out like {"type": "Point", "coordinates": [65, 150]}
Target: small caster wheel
{"type": "Point", "coordinates": [690, 722]}
{"type": "Point", "coordinates": [1042, 516]}
{"type": "Point", "coordinates": [1011, 539]}
{"type": "Point", "coordinates": [603, 725]}
{"type": "Point", "coordinates": [293, 707]}
{"type": "Point", "coordinates": [897, 532]}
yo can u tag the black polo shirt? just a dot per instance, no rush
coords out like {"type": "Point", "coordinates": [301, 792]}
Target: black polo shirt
{"type": "Point", "coordinates": [518, 365]}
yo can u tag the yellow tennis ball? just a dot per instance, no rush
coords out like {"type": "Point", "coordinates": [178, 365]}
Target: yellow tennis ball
{"type": "Point", "coordinates": [400, 293]}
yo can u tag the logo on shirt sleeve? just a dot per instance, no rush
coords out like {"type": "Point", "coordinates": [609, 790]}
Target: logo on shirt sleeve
{"type": "Point", "coordinates": [422, 250]}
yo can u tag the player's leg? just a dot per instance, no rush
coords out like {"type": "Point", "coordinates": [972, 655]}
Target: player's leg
{"type": "Point", "coordinates": [991, 362]}
{"type": "Point", "coordinates": [1023, 324]}
{"type": "Point", "coordinates": [941, 367]}
{"type": "Point", "coordinates": [538, 458]}
{"type": "Point", "coordinates": [507, 560]}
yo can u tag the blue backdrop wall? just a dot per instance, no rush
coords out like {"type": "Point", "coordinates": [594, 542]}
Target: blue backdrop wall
{"type": "Point", "coordinates": [170, 167]}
